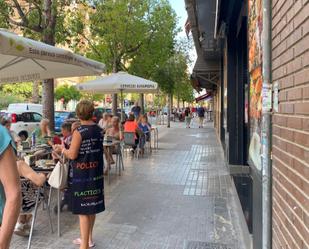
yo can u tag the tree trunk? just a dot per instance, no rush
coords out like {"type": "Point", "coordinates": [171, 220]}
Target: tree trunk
{"type": "Point", "coordinates": [169, 110]}
{"type": "Point", "coordinates": [35, 92]}
{"type": "Point", "coordinates": [142, 103]}
{"type": "Point", "coordinates": [178, 101]}
{"type": "Point", "coordinates": [48, 101]}
{"type": "Point", "coordinates": [50, 15]}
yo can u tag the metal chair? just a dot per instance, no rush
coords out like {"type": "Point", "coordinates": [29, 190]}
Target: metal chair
{"type": "Point", "coordinates": [148, 141]}
{"type": "Point", "coordinates": [129, 142]}
{"type": "Point", "coordinates": [40, 197]}
{"type": "Point", "coordinates": [119, 158]}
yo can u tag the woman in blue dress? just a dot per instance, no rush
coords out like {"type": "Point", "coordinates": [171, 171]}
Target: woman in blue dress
{"type": "Point", "coordinates": [87, 186]}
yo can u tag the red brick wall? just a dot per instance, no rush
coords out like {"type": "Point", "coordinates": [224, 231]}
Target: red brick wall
{"type": "Point", "coordinates": [290, 61]}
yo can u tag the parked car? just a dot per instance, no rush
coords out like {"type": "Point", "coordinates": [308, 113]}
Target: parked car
{"type": "Point", "coordinates": [25, 107]}
{"type": "Point", "coordinates": [98, 112]}
{"type": "Point", "coordinates": [23, 123]}
{"type": "Point", "coordinates": [61, 117]}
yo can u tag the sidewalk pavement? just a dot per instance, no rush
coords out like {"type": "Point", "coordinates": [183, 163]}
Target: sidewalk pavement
{"type": "Point", "coordinates": [179, 197]}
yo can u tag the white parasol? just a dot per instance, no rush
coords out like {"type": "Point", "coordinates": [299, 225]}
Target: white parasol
{"type": "Point", "coordinates": [23, 60]}
{"type": "Point", "coordinates": [120, 82]}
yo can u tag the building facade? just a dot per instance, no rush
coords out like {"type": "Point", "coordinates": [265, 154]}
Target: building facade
{"type": "Point", "coordinates": [259, 51]}
{"type": "Point", "coordinates": [290, 167]}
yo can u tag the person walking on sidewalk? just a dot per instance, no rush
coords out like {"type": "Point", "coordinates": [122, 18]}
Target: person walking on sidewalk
{"type": "Point", "coordinates": [87, 187]}
{"type": "Point", "coordinates": [188, 117]}
{"type": "Point", "coordinates": [201, 116]}
{"type": "Point", "coordinates": [136, 109]}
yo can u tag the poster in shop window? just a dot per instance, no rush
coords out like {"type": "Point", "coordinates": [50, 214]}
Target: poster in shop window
{"type": "Point", "coordinates": [255, 26]}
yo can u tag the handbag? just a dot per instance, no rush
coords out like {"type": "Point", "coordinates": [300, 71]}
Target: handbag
{"type": "Point", "coordinates": [59, 176]}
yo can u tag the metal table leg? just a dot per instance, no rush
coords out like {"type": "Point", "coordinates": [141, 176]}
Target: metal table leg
{"type": "Point", "coordinates": [58, 213]}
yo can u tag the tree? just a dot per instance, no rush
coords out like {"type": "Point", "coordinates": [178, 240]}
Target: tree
{"type": "Point", "coordinates": [67, 93]}
{"type": "Point", "coordinates": [123, 31]}
{"type": "Point", "coordinates": [185, 92]}
{"type": "Point", "coordinates": [6, 99]}
{"type": "Point", "coordinates": [173, 72]}
{"type": "Point", "coordinates": [154, 54]}
{"type": "Point", "coordinates": [43, 20]}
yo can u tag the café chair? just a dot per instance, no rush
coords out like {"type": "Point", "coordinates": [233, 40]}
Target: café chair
{"type": "Point", "coordinates": [129, 142]}
{"type": "Point", "coordinates": [30, 190]}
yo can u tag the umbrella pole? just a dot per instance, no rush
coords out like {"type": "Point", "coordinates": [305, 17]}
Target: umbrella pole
{"type": "Point", "coordinates": [121, 105]}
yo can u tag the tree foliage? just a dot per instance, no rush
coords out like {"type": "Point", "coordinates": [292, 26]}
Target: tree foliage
{"type": "Point", "coordinates": [185, 91]}
{"type": "Point", "coordinates": [43, 20]}
{"type": "Point", "coordinates": [172, 73]}
{"type": "Point", "coordinates": [93, 97]}
{"type": "Point", "coordinates": [138, 36]}
{"type": "Point", "coordinates": [67, 93]}
{"type": "Point", "coordinates": [6, 99]}
{"type": "Point", "coordinates": [23, 90]}
{"type": "Point", "coordinates": [155, 53]}
{"type": "Point", "coordinates": [121, 33]}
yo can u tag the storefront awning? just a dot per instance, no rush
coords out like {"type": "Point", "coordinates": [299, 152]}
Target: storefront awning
{"type": "Point", "coordinates": [204, 97]}
{"type": "Point", "coordinates": [206, 73]}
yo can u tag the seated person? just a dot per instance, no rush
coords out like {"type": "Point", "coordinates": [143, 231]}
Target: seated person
{"type": "Point", "coordinates": [131, 126]}
{"type": "Point", "coordinates": [43, 133]}
{"type": "Point", "coordinates": [146, 119]}
{"type": "Point", "coordinates": [144, 127]}
{"type": "Point", "coordinates": [105, 122]}
{"type": "Point", "coordinates": [7, 122]}
{"type": "Point", "coordinates": [66, 131]}
{"type": "Point", "coordinates": [114, 131]}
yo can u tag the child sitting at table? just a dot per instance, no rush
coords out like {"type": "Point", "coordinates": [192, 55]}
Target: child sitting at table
{"type": "Point", "coordinates": [67, 129]}
{"type": "Point", "coordinates": [144, 126]}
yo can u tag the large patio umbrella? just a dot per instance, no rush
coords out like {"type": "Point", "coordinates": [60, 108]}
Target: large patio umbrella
{"type": "Point", "coordinates": [23, 59]}
{"type": "Point", "coordinates": [120, 82]}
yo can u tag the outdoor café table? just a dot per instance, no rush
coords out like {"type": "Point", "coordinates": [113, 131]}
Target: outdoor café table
{"type": "Point", "coordinates": [46, 150]}
{"type": "Point", "coordinates": [108, 146]}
